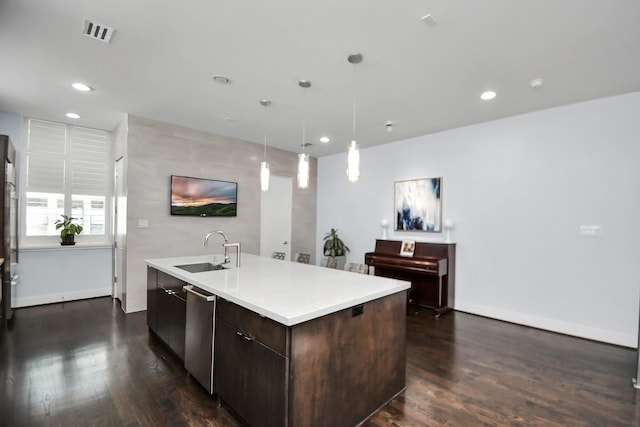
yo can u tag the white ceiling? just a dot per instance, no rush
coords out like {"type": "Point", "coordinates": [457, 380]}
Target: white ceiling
{"type": "Point", "coordinates": [423, 78]}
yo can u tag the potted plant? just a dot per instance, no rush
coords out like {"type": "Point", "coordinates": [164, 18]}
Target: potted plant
{"type": "Point", "coordinates": [335, 247]}
{"type": "Point", "coordinates": [68, 229]}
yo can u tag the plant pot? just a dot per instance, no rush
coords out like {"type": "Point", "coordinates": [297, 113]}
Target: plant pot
{"type": "Point", "coordinates": [68, 240]}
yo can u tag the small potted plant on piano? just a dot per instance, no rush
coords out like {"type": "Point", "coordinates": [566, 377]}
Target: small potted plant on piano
{"type": "Point", "coordinates": [68, 229]}
{"type": "Point", "coordinates": [334, 247]}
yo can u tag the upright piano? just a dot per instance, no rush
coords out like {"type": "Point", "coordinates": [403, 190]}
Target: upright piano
{"type": "Point", "coordinates": [431, 271]}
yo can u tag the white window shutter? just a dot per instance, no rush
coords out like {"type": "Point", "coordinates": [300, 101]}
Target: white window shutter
{"type": "Point", "coordinates": [45, 158]}
{"type": "Point", "coordinates": [45, 173]}
{"type": "Point", "coordinates": [46, 137]}
{"type": "Point", "coordinates": [89, 161]}
{"type": "Point", "coordinates": [66, 171]}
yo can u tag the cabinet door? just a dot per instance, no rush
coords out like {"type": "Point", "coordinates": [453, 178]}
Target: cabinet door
{"type": "Point", "coordinates": [170, 311]}
{"type": "Point", "coordinates": [169, 282]}
{"type": "Point", "coordinates": [171, 320]}
{"type": "Point", "coordinates": [152, 291]}
{"type": "Point", "coordinates": [250, 377]}
{"type": "Point", "coordinates": [231, 373]}
{"type": "Point", "coordinates": [164, 303]}
{"type": "Point", "coordinates": [178, 318]}
{"type": "Point", "coordinates": [266, 331]}
{"type": "Point", "coordinates": [267, 386]}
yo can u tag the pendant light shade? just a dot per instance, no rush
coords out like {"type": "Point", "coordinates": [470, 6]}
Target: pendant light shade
{"type": "Point", "coordinates": [303, 158]}
{"type": "Point", "coordinates": [264, 176]}
{"type": "Point", "coordinates": [353, 162]}
{"type": "Point", "coordinates": [303, 170]}
{"type": "Point", "coordinates": [264, 166]}
{"type": "Point", "coordinates": [353, 152]}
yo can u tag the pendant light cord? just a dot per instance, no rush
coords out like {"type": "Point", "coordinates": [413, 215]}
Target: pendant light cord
{"type": "Point", "coordinates": [353, 130]}
{"type": "Point", "coordinates": [304, 119]}
{"type": "Point", "coordinates": [264, 130]}
{"type": "Point", "coordinates": [265, 103]}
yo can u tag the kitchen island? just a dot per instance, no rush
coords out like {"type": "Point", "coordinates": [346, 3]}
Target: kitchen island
{"type": "Point", "coordinates": [300, 345]}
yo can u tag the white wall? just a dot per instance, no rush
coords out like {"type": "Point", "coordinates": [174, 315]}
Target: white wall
{"type": "Point", "coordinates": [64, 274]}
{"type": "Point", "coordinates": [55, 274]}
{"type": "Point", "coordinates": [119, 139]}
{"type": "Point", "coordinates": [518, 189]}
{"type": "Point", "coordinates": [12, 125]}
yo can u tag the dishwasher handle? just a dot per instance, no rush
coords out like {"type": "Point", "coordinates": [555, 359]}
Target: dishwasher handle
{"type": "Point", "coordinates": [189, 288]}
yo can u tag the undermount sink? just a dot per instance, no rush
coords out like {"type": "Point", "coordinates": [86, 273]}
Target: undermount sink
{"type": "Point", "coordinates": [200, 267]}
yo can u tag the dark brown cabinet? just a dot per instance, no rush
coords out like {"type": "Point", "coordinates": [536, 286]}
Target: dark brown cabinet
{"type": "Point", "coordinates": [333, 371]}
{"type": "Point", "coordinates": [167, 309]}
{"type": "Point", "coordinates": [152, 287]}
{"type": "Point", "coordinates": [251, 365]}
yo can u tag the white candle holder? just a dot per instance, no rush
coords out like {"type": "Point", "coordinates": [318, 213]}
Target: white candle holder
{"type": "Point", "coordinates": [448, 225]}
{"type": "Point", "coordinates": [384, 224]}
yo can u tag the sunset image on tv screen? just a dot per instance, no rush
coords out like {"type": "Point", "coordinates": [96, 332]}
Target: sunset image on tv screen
{"type": "Point", "coordinates": [203, 197]}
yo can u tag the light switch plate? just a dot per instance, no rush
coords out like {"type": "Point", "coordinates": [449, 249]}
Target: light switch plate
{"type": "Point", "coordinates": [143, 223]}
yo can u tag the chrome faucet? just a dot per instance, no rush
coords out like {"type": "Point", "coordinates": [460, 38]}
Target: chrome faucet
{"type": "Point", "coordinates": [237, 246]}
{"type": "Point", "coordinates": [226, 241]}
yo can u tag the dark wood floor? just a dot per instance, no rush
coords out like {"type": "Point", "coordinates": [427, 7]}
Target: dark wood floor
{"type": "Point", "coordinates": [86, 363]}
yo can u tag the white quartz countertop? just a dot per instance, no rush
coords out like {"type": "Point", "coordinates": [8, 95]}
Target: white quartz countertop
{"type": "Point", "coordinates": [285, 291]}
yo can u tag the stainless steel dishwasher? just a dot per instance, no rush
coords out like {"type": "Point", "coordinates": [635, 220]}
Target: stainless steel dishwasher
{"type": "Point", "coordinates": [199, 342]}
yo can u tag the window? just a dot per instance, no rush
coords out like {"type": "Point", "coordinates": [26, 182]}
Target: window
{"type": "Point", "coordinates": [42, 210]}
{"type": "Point", "coordinates": [66, 172]}
{"type": "Point", "coordinates": [38, 202]}
{"type": "Point", "coordinates": [97, 204]}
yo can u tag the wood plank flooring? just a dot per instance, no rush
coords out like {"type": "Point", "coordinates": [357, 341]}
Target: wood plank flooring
{"type": "Point", "coordinates": [86, 363]}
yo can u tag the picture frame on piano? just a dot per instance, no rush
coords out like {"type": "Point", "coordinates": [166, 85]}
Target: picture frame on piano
{"type": "Point", "coordinates": [418, 205]}
{"type": "Point", "coordinates": [407, 248]}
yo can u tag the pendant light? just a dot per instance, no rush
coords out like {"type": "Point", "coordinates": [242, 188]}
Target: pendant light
{"type": "Point", "coordinates": [264, 166]}
{"type": "Point", "coordinates": [303, 158]}
{"type": "Point", "coordinates": [303, 170]}
{"type": "Point", "coordinates": [353, 153]}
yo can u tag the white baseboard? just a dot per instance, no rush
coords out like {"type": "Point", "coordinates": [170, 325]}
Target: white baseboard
{"type": "Point", "coordinates": [61, 297]}
{"type": "Point", "coordinates": [602, 335]}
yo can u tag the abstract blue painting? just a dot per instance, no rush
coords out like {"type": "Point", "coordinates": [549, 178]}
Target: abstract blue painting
{"type": "Point", "coordinates": [418, 204]}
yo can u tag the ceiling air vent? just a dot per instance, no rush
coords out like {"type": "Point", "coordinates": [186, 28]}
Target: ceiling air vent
{"type": "Point", "coordinates": [97, 31]}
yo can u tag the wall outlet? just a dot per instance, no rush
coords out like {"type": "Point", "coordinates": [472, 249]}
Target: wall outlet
{"type": "Point", "coordinates": [591, 231]}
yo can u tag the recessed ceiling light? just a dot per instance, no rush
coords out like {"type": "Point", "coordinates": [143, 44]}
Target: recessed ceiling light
{"type": "Point", "coordinates": [229, 119]}
{"type": "Point", "coordinates": [535, 83]}
{"type": "Point", "coordinates": [73, 115]}
{"type": "Point", "coordinates": [488, 95]}
{"type": "Point", "coordinates": [428, 19]}
{"type": "Point", "coordinates": [81, 87]}
{"type": "Point", "coordinates": [221, 79]}
{"type": "Point", "coordinates": [324, 139]}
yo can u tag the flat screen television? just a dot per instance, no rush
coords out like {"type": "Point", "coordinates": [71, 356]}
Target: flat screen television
{"type": "Point", "coordinates": [203, 197]}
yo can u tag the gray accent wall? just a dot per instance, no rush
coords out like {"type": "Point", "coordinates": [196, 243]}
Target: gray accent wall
{"type": "Point", "coordinates": [153, 152]}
